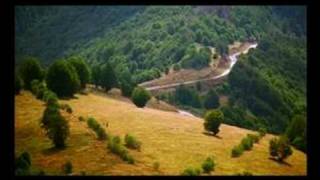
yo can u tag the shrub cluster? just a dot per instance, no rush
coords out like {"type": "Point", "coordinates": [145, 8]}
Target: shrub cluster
{"type": "Point", "coordinates": [116, 147]}
{"type": "Point", "coordinates": [280, 148]}
{"type": "Point", "coordinates": [237, 151]}
{"type": "Point", "coordinates": [55, 125]}
{"type": "Point", "coordinates": [66, 107]}
{"type": "Point", "coordinates": [38, 88]}
{"type": "Point", "coordinates": [191, 172]}
{"type": "Point", "coordinates": [81, 118]}
{"type": "Point", "coordinates": [94, 125]}
{"type": "Point", "coordinates": [246, 144]}
{"type": "Point", "coordinates": [132, 142]}
{"type": "Point", "coordinates": [208, 165]}
{"type": "Point", "coordinates": [22, 164]}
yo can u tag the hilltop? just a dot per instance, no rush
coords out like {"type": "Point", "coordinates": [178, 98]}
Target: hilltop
{"type": "Point", "coordinates": [173, 140]}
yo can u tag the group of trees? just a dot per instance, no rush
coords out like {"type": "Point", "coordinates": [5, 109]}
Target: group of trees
{"type": "Point", "coordinates": [63, 77]}
{"type": "Point", "coordinates": [191, 97]}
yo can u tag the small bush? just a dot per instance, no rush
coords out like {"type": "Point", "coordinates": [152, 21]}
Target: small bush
{"type": "Point", "coordinates": [22, 164]}
{"type": "Point", "coordinates": [50, 97]}
{"type": "Point", "coordinates": [95, 126]}
{"type": "Point", "coordinates": [132, 142]}
{"type": "Point", "coordinates": [280, 148]}
{"type": "Point", "coordinates": [56, 127]}
{"type": "Point", "coordinates": [66, 107]}
{"type": "Point", "coordinates": [156, 166]}
{"type": "Point", "coordinates": [81, 118]}
{"type": "Point", "coordinates": [247, 143]}
{"type": "Point", "coordinates": [101, 133]}
{"type": "Point", "coordinates": [213, 119]}
{"type": "Point", "coordinates": [140, 97]}
{"type": "Point", "coordinates": [115, 146]}
{"type": "Point", "coordinates": [38, 88]}
{"type": "Point", "coordinates": [67, 168]}
{"type": "Point", "coordinates": [237, 151]}
{"type": "Point", "coordinates": [208, 165]}
{"type": "Point", "coordinates": [262, 132]}
{"type": "Point", "coordinates": [191, 172]}
{"type": "Point", "coordinates": [254, 138]}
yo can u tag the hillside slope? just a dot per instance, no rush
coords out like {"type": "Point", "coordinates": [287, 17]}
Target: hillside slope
{"type": "Point", "coordinates": [173, 140]}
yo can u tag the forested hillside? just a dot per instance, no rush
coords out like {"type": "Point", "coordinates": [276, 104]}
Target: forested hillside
{"type": "Point", "coordinates": [266, 88]}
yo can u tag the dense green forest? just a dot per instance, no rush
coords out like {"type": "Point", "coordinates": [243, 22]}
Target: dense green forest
{"type": "Point", "coordinates": [266, 88]}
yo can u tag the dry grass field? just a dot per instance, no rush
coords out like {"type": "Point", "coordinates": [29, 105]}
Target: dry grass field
{"type": "Point", "coordinates": [173, 140]}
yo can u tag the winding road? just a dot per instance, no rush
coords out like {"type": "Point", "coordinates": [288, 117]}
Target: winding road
{"type": "Point", "coordinates": [233, 58]}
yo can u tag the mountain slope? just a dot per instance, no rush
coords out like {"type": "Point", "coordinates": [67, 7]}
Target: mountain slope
{"type": "Point", "coordinates": [173, 140]}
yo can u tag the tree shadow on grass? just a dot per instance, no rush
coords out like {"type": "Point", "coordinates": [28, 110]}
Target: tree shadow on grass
{"type": "Point", "coordinates": [52, 150]}
{"type": "Point", "coordinates": [280, 162]}
{"type": "Point", "coordinates": [69, 98]}
{"type": "Point", "coordinates": [211, 134]}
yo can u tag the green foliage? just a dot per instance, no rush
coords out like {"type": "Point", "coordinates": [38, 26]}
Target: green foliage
{"type": "Point", "coordinates": [50, 97]}
{"type": "Point", "coordinates": [187, 96]}
{"type": "Point", "coordinates": [247, 143]}
{"type": "Point", "coordinates": [191, 172]}
{"type": "Point", "coordinates": [67, 167]}
{"type": "Point", "coordinates": [213, 119]}
{"type": "Point", "coordinates": [98, 129]}
{"type": "Point", "coordinates": [66, 107]}
{"type": "Point", "coordinates": [38, 88]}
{"type": "Point", "coordinates": [196, 59]}
{"type": "Point", "coordinates": [29, 70]}
{"type": "Point", "coordinates": [255, 138]}
{"type": "Point", "coordinates": [115, 146]}
{"type": "Point", "coordinates": [82, 70]}
{"type": "Point", "coordinates": [140, 97]}
{"type": "Point", "coordinates": [22, 164]}
{"type": "Point", "coordinates": [108, 77]}
{"type": "Point", "coordinates": [62, 79]}
{"type": "Point", "coordinates": [81, 118]}
{"type": "Point", "coordinates": [156, 166]}
{"type": "Point", "coordinates": [56, 127]}
{"type": "Point", "coordinates": [208, 165]}
{"type": "Point", "coordinates": [262, 132]}
{"type": "Point", "coordinates": [280, 148]}
{"type": "Point", "coordinates": [296, 132]}
{"type": "Point", "coordinates": [237, 151]}
{"type": "Point", "coordinates": [17, 84]}
{"type": "Point", "coordinates": [126, 83]}
{"type": "Point", "coordinates": [211, 100]}
{"type": "Point", "coordinates": [132, 142]}
{"type": "Point", "coordinates": [176, 67]}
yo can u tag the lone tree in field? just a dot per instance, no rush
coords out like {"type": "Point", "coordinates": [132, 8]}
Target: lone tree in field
{"type": "Point", "coordinates": [30, 70]}
{"type": "Point", "coordinates": [212, 121]}
{"type": "Point", "coordinates": [82, 70]}
{"type": "Point", "coordinates": [108, 77]}
{"type": "Point", "coordinates": [280, 148]}
{"type": "Point", "coordinates": [56, 127]}
{"type": "Point", "coordinates": [212, 100]}
{"type": "Point", "coordinates": [63, 79]}
{"type": "Point", "coordinates": [140, 96]}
